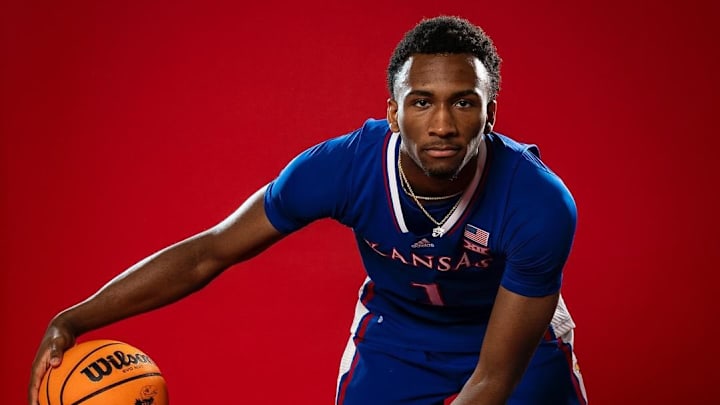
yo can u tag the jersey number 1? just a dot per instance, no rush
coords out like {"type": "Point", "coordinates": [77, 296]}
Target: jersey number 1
{"type": "Point", "coordinates": [432, 291]}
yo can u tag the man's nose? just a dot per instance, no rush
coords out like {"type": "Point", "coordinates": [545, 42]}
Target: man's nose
{"type": "Point", "coordinates": [442, 122]}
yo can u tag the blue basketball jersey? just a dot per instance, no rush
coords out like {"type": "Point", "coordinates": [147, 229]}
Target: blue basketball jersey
{"type": "Point", "coordinates": [428, 289]}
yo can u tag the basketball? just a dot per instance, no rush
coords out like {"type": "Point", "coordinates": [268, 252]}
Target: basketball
{"type": "Point", "coordinates": [104, 372]}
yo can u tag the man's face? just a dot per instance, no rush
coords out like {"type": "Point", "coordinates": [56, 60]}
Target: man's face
{"type": "Point", "coordinates": [441, 109]}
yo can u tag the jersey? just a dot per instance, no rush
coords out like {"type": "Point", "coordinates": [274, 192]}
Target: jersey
{"type": "Point", "coordinates": [512, 227]}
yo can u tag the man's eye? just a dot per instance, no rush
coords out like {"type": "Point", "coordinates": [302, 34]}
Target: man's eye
{"type": "Point", "coordinates": [464, 103]}
{"type": "Point", "coordinates": [421, 103]}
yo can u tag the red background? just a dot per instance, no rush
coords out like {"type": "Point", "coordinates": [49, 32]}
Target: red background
{"type": "Point", "coordinates": [126, 127]}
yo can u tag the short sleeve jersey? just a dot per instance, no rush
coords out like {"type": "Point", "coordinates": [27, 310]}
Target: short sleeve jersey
{"type": "Point", "coordinates": [513, 226]}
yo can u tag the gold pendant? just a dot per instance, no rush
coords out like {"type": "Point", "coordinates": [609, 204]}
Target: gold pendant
{"type": "Point", "coordinates": [438, 232]}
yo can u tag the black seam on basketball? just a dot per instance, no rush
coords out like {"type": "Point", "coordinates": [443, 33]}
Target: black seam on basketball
{"type": "Point", "coordinates": [100, 391]}
{"type": "Point", "coordinates": [77, 364]}
{"type": "Point", "coordinates": [47, 386]}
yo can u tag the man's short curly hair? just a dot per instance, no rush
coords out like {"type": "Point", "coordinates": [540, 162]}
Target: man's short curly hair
{"type": "Point", "coordinates": [446, 35]}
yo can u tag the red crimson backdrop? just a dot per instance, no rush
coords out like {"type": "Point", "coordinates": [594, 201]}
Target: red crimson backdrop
{"type": "Point", "coordinates": [127, 126]}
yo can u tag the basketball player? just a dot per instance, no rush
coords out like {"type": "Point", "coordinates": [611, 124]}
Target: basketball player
{"type": "Point", "coordinates": [463, 233]}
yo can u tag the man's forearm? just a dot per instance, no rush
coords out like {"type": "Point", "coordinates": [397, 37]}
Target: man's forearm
{"type": "Point", "coordinates": [485, 392]}
{"type": "Point", "coordinates": [156, 281]}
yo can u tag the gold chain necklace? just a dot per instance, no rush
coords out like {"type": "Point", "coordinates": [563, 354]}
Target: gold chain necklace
{"type": "Point", "coordinates": [438, 231]}
{"type": "Point", "coordinates": [427, 198]}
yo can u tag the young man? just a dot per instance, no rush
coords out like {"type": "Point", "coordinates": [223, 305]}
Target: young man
{"type": "Point", "coordinates": [463, 233]}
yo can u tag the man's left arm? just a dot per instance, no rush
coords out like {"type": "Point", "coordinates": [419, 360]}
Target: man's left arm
{"type": "Point", "coordinates": [517, 324]}
{"type": "Point", "coordinates": [540, 227]}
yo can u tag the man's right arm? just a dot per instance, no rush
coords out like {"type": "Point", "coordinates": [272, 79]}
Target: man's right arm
{"type": "Point", "coordinates": [158, 280]}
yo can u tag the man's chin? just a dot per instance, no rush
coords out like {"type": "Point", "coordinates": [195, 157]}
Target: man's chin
{"type": "Point", "coordinates": [441, 173]}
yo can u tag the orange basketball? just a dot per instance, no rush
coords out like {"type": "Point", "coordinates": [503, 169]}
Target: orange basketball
{"type": "Point", "coordinates": [104, 372]}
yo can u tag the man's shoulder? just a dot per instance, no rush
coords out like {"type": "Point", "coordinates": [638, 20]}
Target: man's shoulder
{"type": "Point", "coordinates": [374, 125]}
{"type": "Point", "coordinates": [502, 142]}
{"type": "Point", "coordinates": [525, 154]}
{"type": "Point", "coordinates": [522, 161]}
{"type": "Point", "coordinates": [346, 148]}
{"type": "Point", "coordinates": [373, 132]}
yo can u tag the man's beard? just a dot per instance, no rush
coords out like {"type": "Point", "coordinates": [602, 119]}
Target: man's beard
{"type": "Point", "coordinates": [442, 174]}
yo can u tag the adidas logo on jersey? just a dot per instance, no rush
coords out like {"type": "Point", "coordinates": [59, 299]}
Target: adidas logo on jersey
{"type": "Point", "coordinates": [422, 243]}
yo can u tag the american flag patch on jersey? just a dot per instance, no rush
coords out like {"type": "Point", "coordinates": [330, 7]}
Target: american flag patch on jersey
{"type": "Point", "coordinates": [477, 235]}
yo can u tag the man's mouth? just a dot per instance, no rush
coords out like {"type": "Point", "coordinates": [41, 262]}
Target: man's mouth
{"type": "Point", "coordinates": [441, 151]}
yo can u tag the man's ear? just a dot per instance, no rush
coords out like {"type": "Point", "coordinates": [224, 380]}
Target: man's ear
{"type": "Point", "coordinates": [491, 114]}
{"type": "Point", "coordinates": [392, 112]}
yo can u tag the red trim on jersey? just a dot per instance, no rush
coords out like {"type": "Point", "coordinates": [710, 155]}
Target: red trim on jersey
{"type": "Point", "coordinates": [346, 381]}
{"type": "Point", "coordinates": [568, 356]}
{"type": "Point", "coordinates": [450, 399]}
{"type": "Point", "coordinates": [369, 293]}
{"type": "Point", "coordinates": [386, 181]}
{"type": "Point", "coordinates": [479, 190]}
{"type": "Point", "coordinates": [359, 336]}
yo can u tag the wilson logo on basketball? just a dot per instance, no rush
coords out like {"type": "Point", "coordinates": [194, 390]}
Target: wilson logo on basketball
{"type": "Point", "coordinates": [104, 366]}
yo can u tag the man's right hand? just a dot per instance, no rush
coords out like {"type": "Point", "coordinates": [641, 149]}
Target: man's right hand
{"type": "Point", "coordinates": [57, 339]}
{"type": "Point", "coordinates": [163, 277]}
